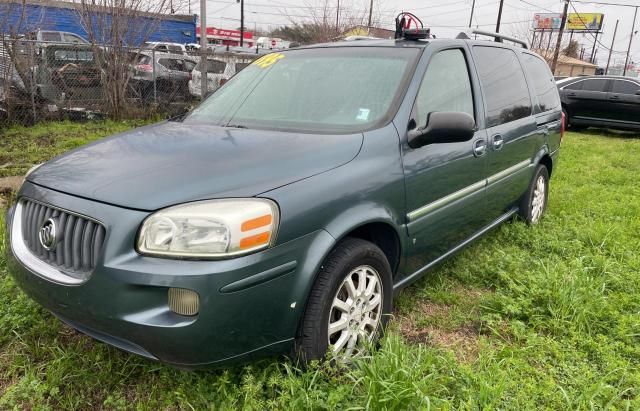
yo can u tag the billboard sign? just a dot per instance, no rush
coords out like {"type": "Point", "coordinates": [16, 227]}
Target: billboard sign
{"type": "Point", "coordinates": [547, 21]}
{"type": "Point", "coordinates": [584, 21]}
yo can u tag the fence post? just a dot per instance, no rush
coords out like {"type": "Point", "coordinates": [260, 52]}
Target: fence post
{"type": "Point", "coordinates": [153, 65]}
{"type": "Point", "coordinates": [204, 80]}
{"type": "Point", "coordinates": [32, 80]}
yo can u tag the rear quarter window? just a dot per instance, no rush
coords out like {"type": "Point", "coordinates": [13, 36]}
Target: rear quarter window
{"type": "Point", "coordinates": [505, 89]}
{"type": "Point", "coordinates": [543, 82]}
{"type": "Point", "coordinates": [625, 87]}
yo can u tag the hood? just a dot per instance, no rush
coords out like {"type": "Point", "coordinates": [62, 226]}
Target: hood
{"type": "Point", "coordinates": [170, 163]}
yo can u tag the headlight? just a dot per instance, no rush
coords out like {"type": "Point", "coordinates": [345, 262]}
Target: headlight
{"type": "Point", "coordinates": [210, 229]}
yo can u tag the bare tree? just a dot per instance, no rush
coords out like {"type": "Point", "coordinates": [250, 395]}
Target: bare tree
{"type": "Point", "coordinates": [18, 88]}
{"type": "Point", "coordinates": [113, 26]}
{"type": "Point", "coordinates": [324, 20]}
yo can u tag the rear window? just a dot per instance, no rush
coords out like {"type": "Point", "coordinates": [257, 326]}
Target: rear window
{"type": "Point", "coordinates": [213, 66]}
{"type": "Point", "coordinates": [504, 85]}
{"type": "Point", "coordinates": [543, 82]}
{"type": "Point", "coordinates": [72, 56]}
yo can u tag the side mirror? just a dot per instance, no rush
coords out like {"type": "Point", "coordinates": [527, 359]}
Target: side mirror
{"type": "Point", "coordinates": [638, 93]}
{"type": "Point", "coordinates": [443, 127]}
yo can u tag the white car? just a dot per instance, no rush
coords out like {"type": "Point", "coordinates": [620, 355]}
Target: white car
{"type": "Point", "coordinates": [220, 68]}
{"type": "Point", "coordinates": [164, 47]}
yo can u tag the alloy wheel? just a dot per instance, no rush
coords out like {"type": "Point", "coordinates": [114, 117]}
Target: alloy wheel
{"type": "Point", "coordinates": [538, 200]}
{"type": "Point", "coordinates": [355, 312]}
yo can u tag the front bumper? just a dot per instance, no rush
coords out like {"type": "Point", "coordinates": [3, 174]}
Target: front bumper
{"type": "Point", "coordinates": [249, 306]}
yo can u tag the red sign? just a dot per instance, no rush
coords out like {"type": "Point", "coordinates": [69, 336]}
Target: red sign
{"type": "Point", "coordinates": [273, 43]}
{"type": "Point", "coordinates": [225, 34]}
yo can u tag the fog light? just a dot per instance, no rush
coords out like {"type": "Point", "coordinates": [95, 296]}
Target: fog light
{"type": "Point", "coordinates": [183, 301]}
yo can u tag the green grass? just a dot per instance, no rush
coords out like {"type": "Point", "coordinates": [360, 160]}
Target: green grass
{"type": "Point", "coordinates": [544, 317]}
{"type": "Point", "coordinates": [23, 147]}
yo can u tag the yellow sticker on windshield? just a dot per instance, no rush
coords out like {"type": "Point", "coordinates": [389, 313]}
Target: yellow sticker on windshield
{"type": "Point", "coordinates": [268, 60]}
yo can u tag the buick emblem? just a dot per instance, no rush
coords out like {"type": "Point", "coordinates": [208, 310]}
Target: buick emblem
{"type": "Point", "coordinates": [47, 235]}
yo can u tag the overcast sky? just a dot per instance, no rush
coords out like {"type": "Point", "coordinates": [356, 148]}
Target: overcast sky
{"type": "Point", "coordinates": [445, 18]}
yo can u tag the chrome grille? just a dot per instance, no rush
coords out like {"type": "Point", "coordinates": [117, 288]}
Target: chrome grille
{"type": "Point", "coordinates": [80, 238]}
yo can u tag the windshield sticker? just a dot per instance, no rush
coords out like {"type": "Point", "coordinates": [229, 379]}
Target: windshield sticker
{"type": "Point", "coordinates": [268, 60]}
{"type": "Point", "coordinates": [363, 114]}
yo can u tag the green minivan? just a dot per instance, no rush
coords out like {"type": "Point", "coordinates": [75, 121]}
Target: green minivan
{"type": "Point", "coordinates": [283, 214]}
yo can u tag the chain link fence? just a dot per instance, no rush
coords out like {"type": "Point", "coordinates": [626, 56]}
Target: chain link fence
{"type": "Point", "coordinates": [49, 81]}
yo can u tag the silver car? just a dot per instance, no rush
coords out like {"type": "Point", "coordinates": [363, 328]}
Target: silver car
{"type": "Point", "coordinates": [162, 76]}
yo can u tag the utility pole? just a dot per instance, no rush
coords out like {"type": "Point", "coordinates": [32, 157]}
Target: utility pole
{"type": "Point", "coordinates": [203, 48]}
{"type": "Point", "coordinates": [562, 23]}
{"type": "Point", "coordinates": [241, 22]}
{"type": "Point", "coordinates": [593, 50]}
{"type": "Point", "coordinates": [473, 6]}
{"type": "Point", "coordinates": [606, 71]}
{"type": "Point", "coordinates": [371, 13]}
{"type": "Point", "coordinates": [337, 16]}
{"type": "Point", "coordinates": [499, 16]}
{"type": "Point", "coordinates": [633, 26]}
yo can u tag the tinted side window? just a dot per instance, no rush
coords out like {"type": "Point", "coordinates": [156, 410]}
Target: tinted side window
{"type": "Point", "coordinates": [575, 86]}
{"type": "Point", "coordinates": [445, 87]}
{"type": "Point", "coordinates": [625, 87]}
{"type": "Point", "coordinates": [543, 83]}
{"type": "Point", "coordinates": [170, 64]}
{"type": "Point", "coordinates": [189, 65]}
{"type": "Point", "coordinates": [70, 38]}
{"type": "Point", "coordinates": [51, 37]}
{"type": "Point", "coordinates": [505, 88]}
{"type": "Point", "coordinates": [595, 85]}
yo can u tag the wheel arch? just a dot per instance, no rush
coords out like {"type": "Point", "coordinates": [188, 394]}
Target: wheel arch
{"type": "Point", "coordinates": [544, 157]}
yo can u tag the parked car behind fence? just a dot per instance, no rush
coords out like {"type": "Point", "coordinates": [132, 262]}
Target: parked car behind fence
{"type": "Point", "coordinates": [220, 68]}
{"type": "Point", "coordinates": [41, 80]}
{"type": "Point", "coordinates": [162, 76]}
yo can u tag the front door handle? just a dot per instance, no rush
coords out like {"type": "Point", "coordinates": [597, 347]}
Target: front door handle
{"type": "Point", "coordinates": [479, 147]}
{"type": "Point", "coordinates": [497, 142]}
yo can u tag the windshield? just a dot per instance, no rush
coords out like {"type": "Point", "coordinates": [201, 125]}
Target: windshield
{"type": "Point", "coordinates": [326, 89]}
{"type": "Point", "coordinates": [77, 56]}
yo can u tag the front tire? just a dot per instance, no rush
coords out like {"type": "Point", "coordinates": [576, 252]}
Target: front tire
{"type": "Point", "coordinates": [534, 202]}
{"type": "Point", "coordinates": [349, 303]}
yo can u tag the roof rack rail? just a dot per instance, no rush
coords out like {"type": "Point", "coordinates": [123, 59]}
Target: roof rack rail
{"type": "Point", "coordinates": [497, 37]}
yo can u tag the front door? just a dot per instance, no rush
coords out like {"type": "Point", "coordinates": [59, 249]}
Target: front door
{"type": "Point", "coordinates": [587, 100]}
{"type": "Point", "coordinates": [445, 182]}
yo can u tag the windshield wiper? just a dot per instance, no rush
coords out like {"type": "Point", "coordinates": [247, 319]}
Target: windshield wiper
{"type": "Point", "coordinates": [236, 126]}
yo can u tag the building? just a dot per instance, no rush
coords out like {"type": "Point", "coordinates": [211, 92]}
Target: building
{"type": "Point", "coordinates": [569, 66]}
{"type": "Point", "coordinates": [65, 16]}
{"type": "Point", "coordinates": [364, 31]}
{"type": "Point", "coordinates": [225, 37]}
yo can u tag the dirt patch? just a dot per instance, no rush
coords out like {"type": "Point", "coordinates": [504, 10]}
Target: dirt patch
{"type": "Point", "coordinates": [463, 340]}
{"type": "Point", "coordinates": [455, 326]}
{"type": "Point", "coordinates": [10, 184]}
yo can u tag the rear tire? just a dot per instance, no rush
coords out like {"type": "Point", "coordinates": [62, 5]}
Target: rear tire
{"type": "Point", "coordinates": [534, 202]}
{"type": "Point", "coordinates": [349, 303]}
